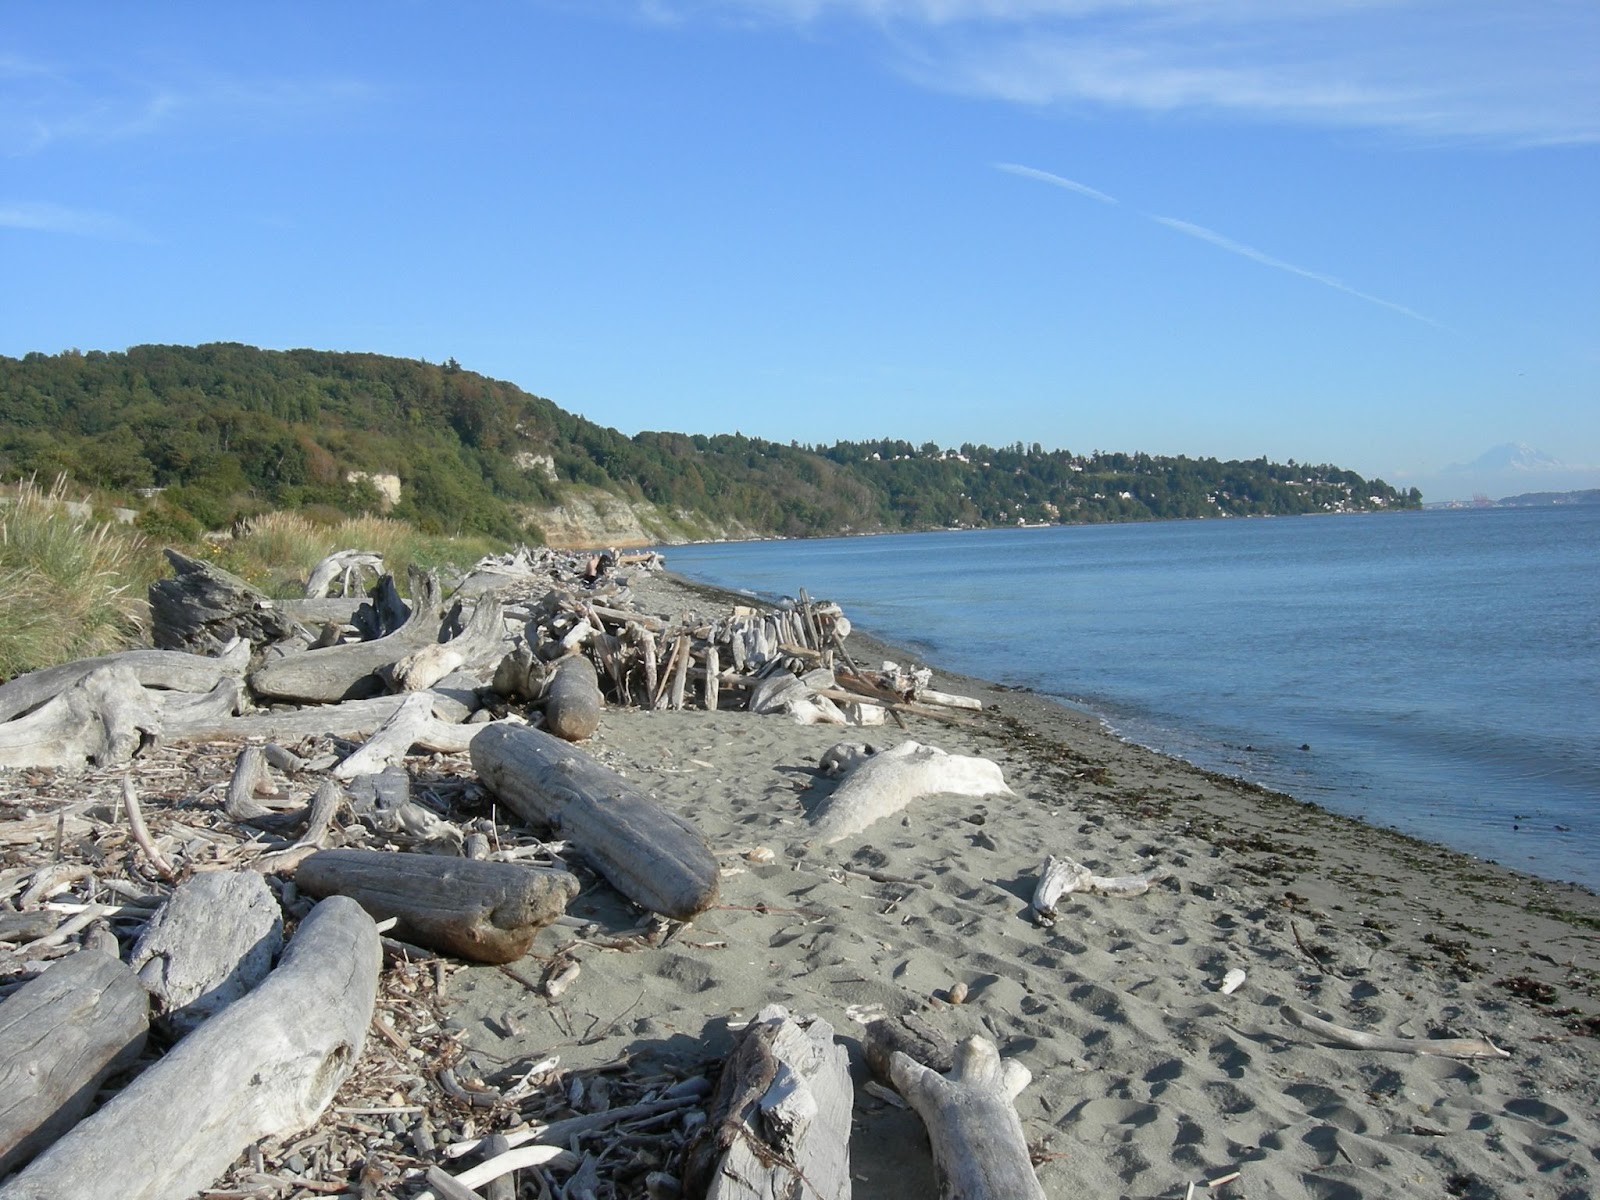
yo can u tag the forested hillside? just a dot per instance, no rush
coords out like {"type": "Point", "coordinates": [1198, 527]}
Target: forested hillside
{"type": "Point", "coordinates": [226, 430]}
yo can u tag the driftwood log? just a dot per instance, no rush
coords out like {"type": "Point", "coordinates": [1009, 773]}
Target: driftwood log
{"type": "Point", "coordinates": [266, 1065]}
{"type": "Point", "coordinates": [60, 1035]}
{"type": "Point", "coordinates": [482, 639]}
{"type": "Point", "coordinates": [413, 724]}
{"type": "Point", "coordinates": [170, 669]}
{"type": "Point", "coordinates": [780, 1117]}
{"type": "Point", "coordinates": [349, 671]}
{"type": "Point", "coordinates": [653, 857]}
{"type": "Point", "coordinates": [979, 1149]}
{"type": "Point", "coordinates": [343, 567]}
{"type": "Point", "coordinates": [484, 911]}
{"type": "Point", "coordinates": [213, 940]}
{"type": "Point", "coordinates": [573, 703]}
{"type": "Point", "coordinates": [884, 783]}
{"type": "Point", "coordinates": [102, 720]}
{"type": "Point", "coordinates": [203, 608]}
{"type": "Point", "coordinates": [910, 1035]}
{"type": "Point", "coordinates": [352, 719]}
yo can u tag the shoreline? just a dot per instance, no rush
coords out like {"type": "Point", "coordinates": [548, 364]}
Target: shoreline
{"type": "Point", "coordinates": [1146, 1076]}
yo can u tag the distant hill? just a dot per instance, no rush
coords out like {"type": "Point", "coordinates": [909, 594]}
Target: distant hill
{"type": "Point", "coordinates": [203, 435]}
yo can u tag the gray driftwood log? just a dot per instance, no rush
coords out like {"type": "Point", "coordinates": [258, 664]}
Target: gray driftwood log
{"type": "Point", "coordinates": [203, 608]}
{"type": "Point", "coordinates": [349, 671]}
{"type": "Point", "coordinates": [170, 669]}
{"type": "Point", "coordinates": [573, 703]}
{"type": "Point", "coordinates": [266, 1065]}
{"type": "Point", "coordinates": [212, 941]}
{"type": "Point", "coordinates": [484, 911]}
{"type": "Point", "coordinates": [60, 1035]}
{"type": "Point", "coordinates": [102, 719]}
{"type": "Point", "coordinates": [653, 857]}
{"type": "Point", "coordinates": [780, 1118]}
{"type": "Point", "coordinates": [979, 1149]}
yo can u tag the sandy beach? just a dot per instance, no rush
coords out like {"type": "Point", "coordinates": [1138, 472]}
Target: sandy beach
{"type": "Point", "coordinates": [1146, 1077]}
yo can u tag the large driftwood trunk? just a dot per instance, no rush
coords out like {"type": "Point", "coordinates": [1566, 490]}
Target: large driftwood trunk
{"type": "Point", "coordinates": [883, 784]}
{"type": "Point", "coordinates": [573, 703]}
{"type": "Point", "coordinates": [349, 672]}
{"type": "Point", "coordinates": [484, 911]}
{"type": "Point", "coordinates": [979, 1149]}
{"type": "Point", "coordinates": [170, 669]}
{"type": "Point", "coordinates": [353, 719]}
{"type": "Point", "coordinates": [482, 639]}
{"type": "Point", "coordinates": [60, 1035]}
{"type": "Point", "coordinates": [213, 940]}
{"type": "Point", "coordinates": [267, 1065]}
{"type": "Point", "coordinates": [101, 720]}
{"type": "Point", "coordinates": [780, 1119]}
{"type": "Point", "coordinates": [654, 857]}
{"type": "Point", "coordinates": [203, 608]}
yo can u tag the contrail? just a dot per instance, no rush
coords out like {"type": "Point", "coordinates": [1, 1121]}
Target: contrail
{"type": "Point", "coordinates": [1060, 181]}
{"type": "Point", "coordinates": [1266, 260]}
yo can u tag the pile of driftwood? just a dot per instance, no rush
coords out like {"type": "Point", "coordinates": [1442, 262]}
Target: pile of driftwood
{"type": "Point", "coordinates": [245, 927]}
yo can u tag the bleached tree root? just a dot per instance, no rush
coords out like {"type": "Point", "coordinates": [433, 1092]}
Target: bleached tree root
{"type": "Point", "coordinates": [168, 669]}
{"type": "Point", "coordinates": [266, 1065]}
{"type": "Point", "coordinates": [60, 1035]}
{"type": "Point", "coordinates": [1061, 876]}
{"type": "Point", "coordinates": [979, 1149]}
{"type": "Point", "coordinates": [885, 783]}
{"type": "Point", "coordinates": [1354, 1039]}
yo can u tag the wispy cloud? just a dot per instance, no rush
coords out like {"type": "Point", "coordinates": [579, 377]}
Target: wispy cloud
{"type": "Point", "coordinates": [1060, 181]}
{"type": "Point", "coordinates": [56, 218]}
{"type": "Point", "coordinates": [43, 105]}
{"type": "Point", "coordinates": [1190, 229]}
{"type": "Point", "coordinates": [1485, 70]}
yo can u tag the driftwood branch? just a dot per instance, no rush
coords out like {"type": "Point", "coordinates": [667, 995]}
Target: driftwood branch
{"type": "Point", "coordinates": [979, 1149]}
{"type": "Point", "coordinates": [1061, 876]}
{"type": "Point", "coordinates": [1354, 1039]}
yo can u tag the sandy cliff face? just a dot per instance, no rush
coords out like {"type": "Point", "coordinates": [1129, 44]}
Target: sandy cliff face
{"type": "Point", "coordinates": [591, 518]}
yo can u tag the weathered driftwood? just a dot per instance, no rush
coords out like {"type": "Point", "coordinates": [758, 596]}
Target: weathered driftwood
{"type": "Point", "coordinates": [251, 778]}
{"type": "Point", "coordinates": [484, 911]}
{"type": "Point", "coordinates": [654, 857]}
{"type": "Point", "coordinates": [170, 669]}
{"type": "Point", "coordinates": [412, 724]}
{"type": "Point", "coordinates": [910, 1035]}
{"type": "Point", "coordinates": [979, 1149]}
{"type": "Point", "coordinates": [181, 710]}
{"type": "Point", "coordinates": [352, 719]}
{"type": "Point", "coordinates": [214, 939]}
{"type": "Point", "coordinates": [1356, 1040]}
{"type": "Point", "coordinates": [886, 782]}
{"type": "Point", "coordinates": [780, 1117]}
{"type": "Point", "coordinates": [1061, 876]}
{"type": "Point", "coordinates": [101, 720]}
{"type": "Point", "coordinates": [482, 639]}
{"type": "Point", "coordinates": [266, 1065]}
{"type": "Point", "coordinates": [349, 671]}
{"type": "Point", "coordinates": [573, 703]}
{"type": "Point", "coordinates": [343, 567]}
{"type": "Point", "coordinates": [203, 608]}
{"type": "Point", "coordinates": [60, 1035]}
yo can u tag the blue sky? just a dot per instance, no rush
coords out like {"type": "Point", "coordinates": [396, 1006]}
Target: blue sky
{"type": "Point", "coordinates": [1362, 232]}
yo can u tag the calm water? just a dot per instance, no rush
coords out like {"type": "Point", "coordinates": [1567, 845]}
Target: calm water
{"type": "Point", "coordinates": [1442, 667]}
